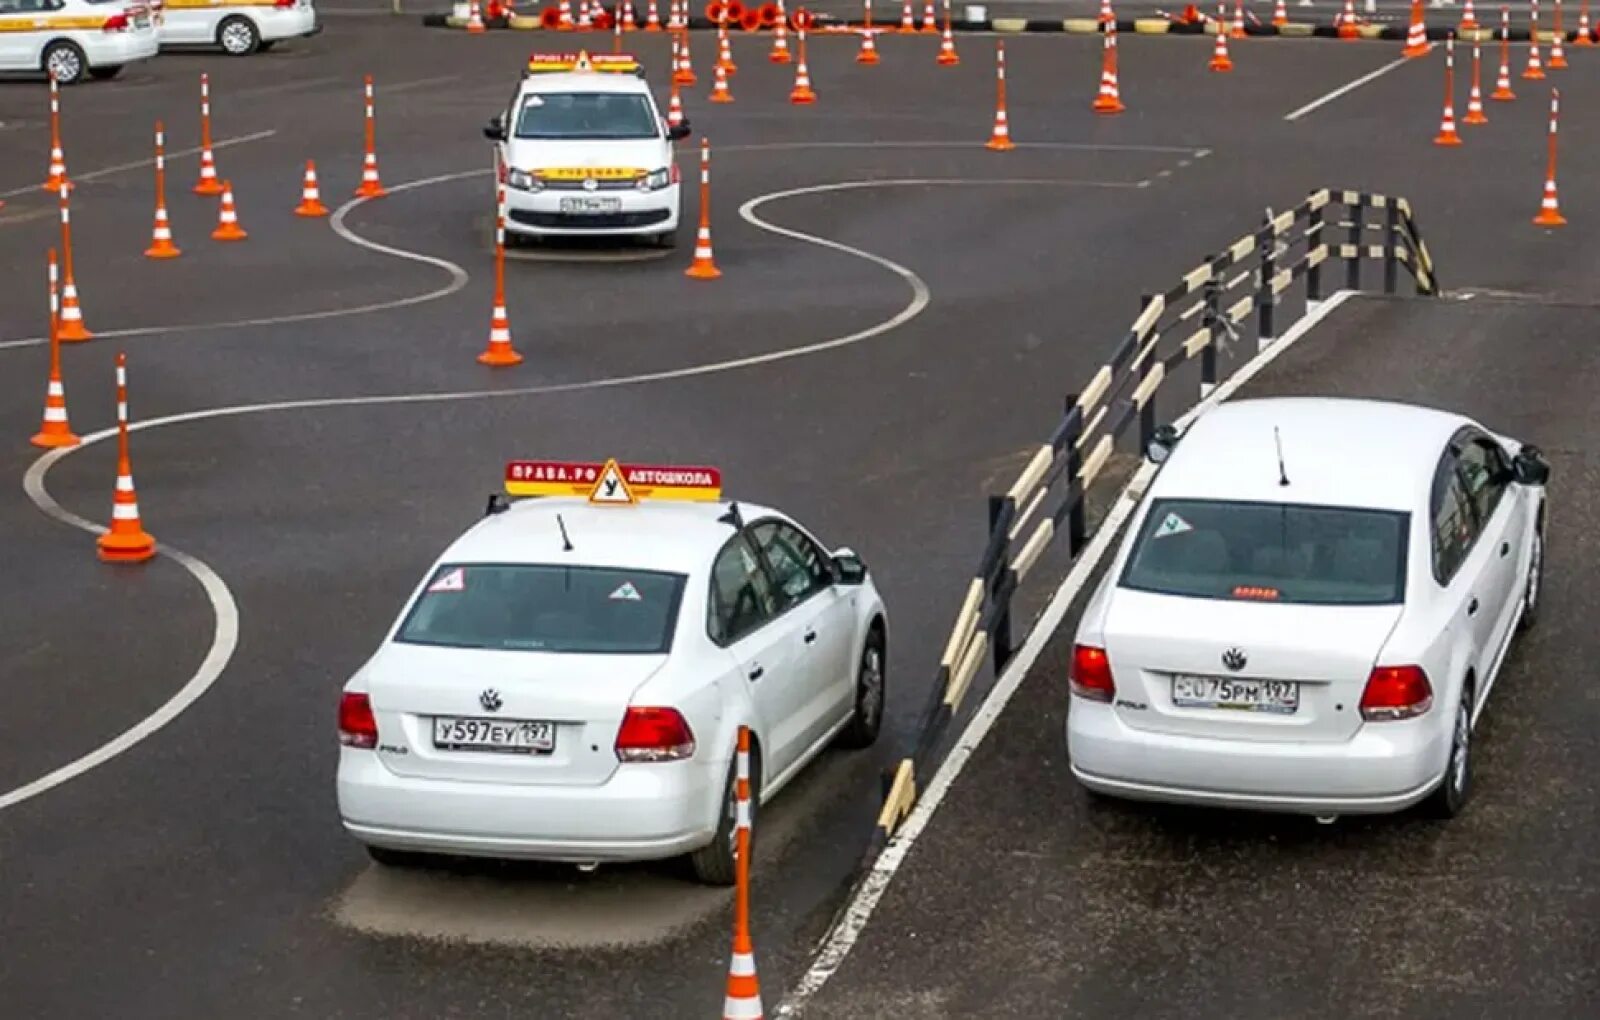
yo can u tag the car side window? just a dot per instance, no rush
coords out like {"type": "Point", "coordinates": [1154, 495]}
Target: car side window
{"type": "Point", "coordinates": [799, 568]}
{"type": "Point", "coordinates": [741, 595]}
{"type": "Point", "coordinates": [1454, 527]}
{"type": "Point", "coordinates": [1486, 472]}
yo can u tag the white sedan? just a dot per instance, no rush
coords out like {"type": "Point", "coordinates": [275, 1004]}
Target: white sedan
{"type": "Point", "coordinates": [1309, 610]}
{"type": "Point", "coordinates": [568, 680]}
{"type": "Point", "coordinates": [238, 27]}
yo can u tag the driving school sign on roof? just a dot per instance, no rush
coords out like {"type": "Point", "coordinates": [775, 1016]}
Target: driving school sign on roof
{"type": "Point", "coordinates": [643, 481]}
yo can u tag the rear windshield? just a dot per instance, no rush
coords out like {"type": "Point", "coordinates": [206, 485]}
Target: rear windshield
{"type": "Point", "coordinates": [586, 115]}
{"type": "Point", "coordinates": [1270, 552]}
{"type": "Point", "coordinates": [524, 607]}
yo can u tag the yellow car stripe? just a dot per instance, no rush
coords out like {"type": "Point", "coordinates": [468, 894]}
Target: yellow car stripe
{"type": "Point", "coordinates": [189, 5]}
{"type": "Point", "coordinates": [48, 24]}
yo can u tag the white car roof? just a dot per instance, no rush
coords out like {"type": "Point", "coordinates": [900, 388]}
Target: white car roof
{"type": "Point", "coordinates": [678, 537]}
{"type": "Point", "coordinates": [1336, 452]}
{"type": "Point", "coordinates": [584, 81]}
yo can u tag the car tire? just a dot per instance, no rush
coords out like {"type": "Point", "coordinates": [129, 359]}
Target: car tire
{"type": "Point", "coordinates": [393, 858]}
{"type": "Point", "coordinates": [66, 61]}
{"type": "Point", "coordinates": [872, 681]}
{"type": "Point", "coordinates": [1533, 588]}
{"type": "Point", "coordinates": [1455, 789]}
{"type": "Point", "coordinates": [713, 864]}
{"type": "Point", "coordinates": [105, 73]}
{"type": "Point", "coordinates": [238, 37]}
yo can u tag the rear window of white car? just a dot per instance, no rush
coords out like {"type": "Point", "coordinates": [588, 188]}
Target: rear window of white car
{"type": "Point", "coordinates": [589, 115]}
{"type": "Point", "coordinates": [546, 608]}
{"type": "Point", "coordinates": [1270, 552]}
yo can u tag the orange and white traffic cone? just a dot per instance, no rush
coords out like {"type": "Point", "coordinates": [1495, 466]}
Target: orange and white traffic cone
{"type": "Point", "coordinates": [1000, 139]}
{"type": "Point", "coordinates": [585, 21]}
{"type": "Point", "coordinates": [802, 93]}
{"type": "Point", "coordinates": [228, 228]}
{"type": "Point", "coordinates": [1558, 55]}
{"type": "Point", "coordinates": [725, 49]}
{"type": "Point", "coordinates": [564, 18]}
{"type": "Point", "coordinates": [1475, 114]}
{"type": "Point", "coordinates": [1502, 86]}
{"type": "Point", "coordinates": [475, 24]}
{"type": "Point", "coordinates": [1236, 30]}
{"type": "Point", "coordinates": [58, 160]}
{"type": "Point", "coordinates": [1535, 70]}
{"type": "Point", "coordinates": [1280, 15]}
{"type": "Point", "coordinates": [868, 54]}
{"type": "Point", "coordinates": [685, 73]}
{"type": "Point", "coordinates": [1106, 16]}
{"type": "Point", "coordinates": [1417, 33]}
{"type": "Point", "coordinates": [629, 24]}
{"type": "Point", "coordinates": [908, 23]}
{"type": "Point", "coordinates": [1109, 99]}
{"type": "Point", "coordinates": [71, 329]}
{"type": "Point", "coordinates": [310, 194]}
{"type": "Point", "coordinates": [500, 353]}
{"type": "Point", "coordinates": [161, 246]}
{"type": "Point", "coordinates": [948, 57]}
{"type": "Point", "coordinates": [126, 541]}
{"type": "Point", "coordinates": [1349, 27]}
{"type": "Point", "coordinates": [779, 53]}
{"type": "Point", "coordinates": [674, 105]}
{"type": "Point", "coordinates": [1550, 204]}
{"type": "Point", "coordinates": [930, 20]}
{"type": "Point", "coordinates": [371, 186]}
{"type": "Point", "coordinates": [652, 17]}
{"type": "Point", "coordinates": [209, 183]}
{"type": "Point", "coordinates": [616, 36]}
{"type": "Point", "coordinates": [1585, 34]}
{"type": "Point", "coordinates": [719, 87]}
{"type": "Point", "coordinates": [1447, 126]}
{"type": "Point", "coordinates": [55, 430]}
{"type": "Point", "coordinates": [743, 998]}
{"type": "Point", "coordinates": [1220, 61]}
{"type": "Point", "coordinates": [704, 266]}
{"type": "Point", "coordinates": [1469, 19]}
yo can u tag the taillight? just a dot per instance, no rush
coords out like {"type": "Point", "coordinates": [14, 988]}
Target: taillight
{"type": "Point", "coordinates": [282, 4]}
{"type": "Point", "coordinates": [1090, 676]}
{"type": "Point", "coordinates": [654, 734]}
{"type": "Point", "coordinates": [115, 23]}
{"type": "Point", "coordinates": [357, 725]}
{"type": "Point", "coordinates": [1396, 692]}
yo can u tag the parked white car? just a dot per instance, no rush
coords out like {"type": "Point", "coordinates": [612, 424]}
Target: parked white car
{"type": "Point", "coordinates": [238, 27]}
{"type": "Point", "coordinates": [1309, 610]}
{"type": "Point", "coordinates": [75, 39]}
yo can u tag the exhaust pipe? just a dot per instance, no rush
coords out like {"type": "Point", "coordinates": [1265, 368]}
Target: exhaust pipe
{"type": "Point", "coordinates": [1327, 819]}
{"type": "Point", "coordinates": [588, 867]}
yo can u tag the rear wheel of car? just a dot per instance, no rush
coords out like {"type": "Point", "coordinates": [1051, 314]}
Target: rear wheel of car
{"type": "Point", "coordinates": [1450, 799]}
{"type": "Point", "coordinates": [871, 687]}
{"type": "Point", "coordinates": [713, 863]}
{"type": "Point", "coordinates": [65, 61]}
{"type": "Point", "coordinates": [105, 73]}
{"type": "Point", "coordinates": [1535, 582]}
{"type": "Point", "coordinates": [238, 37]}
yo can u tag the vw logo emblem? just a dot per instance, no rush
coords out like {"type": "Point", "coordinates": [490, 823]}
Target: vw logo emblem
{"type": "Point", "coordinates": [1234, 659]}
{"type": "Point", "coordinates": [490, 700]}
{"type": "Point", "coordinates": [590, 184]}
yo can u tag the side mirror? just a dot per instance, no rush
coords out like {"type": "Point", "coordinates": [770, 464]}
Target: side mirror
{"type": "Point", "coordinates": [1528, 467]}
{"type": "Point", "coordinates": [1161, 444]}
{"type": "Point", "coordinates": [495, 130]}
{"type": "Point", "coordinates": [678, 133]}
{"type": "Point", "coordinates": [847, 566]}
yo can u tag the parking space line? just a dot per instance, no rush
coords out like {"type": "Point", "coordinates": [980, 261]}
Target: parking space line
{"type": "Point", "coordinates": [1317, 104]}
{"type": "Point", "coordinates": [95, 175]}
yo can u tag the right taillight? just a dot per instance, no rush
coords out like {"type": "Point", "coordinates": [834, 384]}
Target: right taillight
{"type": "Point", "coordinates": [115, 23]}
{"type": "Point", "coordinates": [654, 734]}
{"type": "Point", "coordinates": [1396, 692]}
{"type": "Point", "coordinates": [357, 725]}
{"type": "Point", "coordinates": [1090, 676]}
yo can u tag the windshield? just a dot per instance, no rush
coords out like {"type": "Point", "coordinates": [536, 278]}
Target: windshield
{"type": "Point", "coordinates": [587, 115]}
{"type": "Point", "coordinates": [1270, 552]}
{"type": "Point", "coordinates": [523, 607]}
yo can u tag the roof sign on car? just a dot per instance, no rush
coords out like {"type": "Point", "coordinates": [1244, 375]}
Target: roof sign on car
{"type": "Point", "coordinates": [548, 63]}
{"type": "Point", "coordinates": [613, 483]}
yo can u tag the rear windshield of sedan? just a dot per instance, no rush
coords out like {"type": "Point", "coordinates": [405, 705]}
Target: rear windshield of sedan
{"type": "Point", "coordinates": [529, 607]}
{"type": "Point", "coordinates": [591, 115]}
{"type": "Point", "coordinates": [1270, 552]}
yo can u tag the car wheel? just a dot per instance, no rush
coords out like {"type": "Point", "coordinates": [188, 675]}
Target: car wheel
{"type": "Point", "coordinates": [105, 73]}
{"type": "Point", "coordinates": [65, 61]}
{"type": "Point", "coordinates": [713, 863]}
{"type": "Point", "coordinates": [1535, 582]}
{"type": "Point", "coordinates": [871, 687]}
{"type": "Point", "coordinates": [238, 37]}
{"type": "Point", "coordinates": [393, 858]}
{"type": "Point", "coordinates": [1451, 797]}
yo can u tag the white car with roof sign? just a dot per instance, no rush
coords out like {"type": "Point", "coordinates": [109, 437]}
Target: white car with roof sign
{"type": "Point", "coordinates": [75, 39]}
{"type": "Point", "coordinates": [1309, 610]}
{"type": "Point", "coordinates": [238, 27]}
{"type": "Point", "coordinates": [584, 151]}
{"type": "Point", "coordinates": [568, 680]}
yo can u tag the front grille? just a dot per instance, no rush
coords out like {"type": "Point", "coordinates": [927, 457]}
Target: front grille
{"type": "Point", "coordinates": [590, 221]}
{"type": "Point", "coordinates": [603, 185]}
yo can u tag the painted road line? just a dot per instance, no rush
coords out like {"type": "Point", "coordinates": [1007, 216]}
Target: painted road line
{"type": "Point", "coordinates": [95, 175]}
{"type": "Point", "coordinates": [1342, 89]}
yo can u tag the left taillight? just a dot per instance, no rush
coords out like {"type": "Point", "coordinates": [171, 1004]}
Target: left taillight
{"type": "Point", "coordinates": [358, 727]}
{"type": "Point", "coordinates": [115, 23]}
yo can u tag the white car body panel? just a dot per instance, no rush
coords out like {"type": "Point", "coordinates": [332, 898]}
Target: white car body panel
{"type": "Point", "coordinates": [196, 22]}
{"type": "Point", "coordinates": [28, 27]}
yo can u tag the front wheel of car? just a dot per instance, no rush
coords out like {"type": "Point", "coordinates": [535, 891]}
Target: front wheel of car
{"type": "Point", "coordinates": [65, 62]}
{"type": "Point", "coordinates": [105, 73]}
{"type": "Point", "coordinates": [238, 37]}
{"type": "Point", "coordinates": [872, 675]}
{"type": "Point", "coordinates": [1534, 586]}
{"type": "Point", "coordinates": [713, 864]}
{"type": "Point", "coordinates": [1450, 799]}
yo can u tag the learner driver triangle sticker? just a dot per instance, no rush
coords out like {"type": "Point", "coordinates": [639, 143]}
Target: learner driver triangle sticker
{"type": "Point", "coordinates": [455, 580]}
{"type": "Point", "coordinates": [1173, 525]}
{"type": "Point", "coordinates": [611, 486]}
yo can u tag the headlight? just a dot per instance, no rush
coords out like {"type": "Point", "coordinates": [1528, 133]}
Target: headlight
{"type": "Point", "coordinates": [524, 181]}
{"type": "Point", "coordinates": [655, 180]}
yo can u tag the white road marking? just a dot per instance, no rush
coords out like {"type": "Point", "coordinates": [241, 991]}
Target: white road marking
{"type": "Point", "coordinates": [837, 944]}
{"type": "Point", "coordinates": [95, 175]}
{"type": "Point", "coordinates": [1347, 87]}
{"type": "Point", "coordinates": [416, 83]}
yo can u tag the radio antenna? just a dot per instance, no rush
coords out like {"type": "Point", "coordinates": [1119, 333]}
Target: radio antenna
{"type": "Point", "coordinates": [1283, 476]}
{"type": "Point", "coordinates": [566, 543]}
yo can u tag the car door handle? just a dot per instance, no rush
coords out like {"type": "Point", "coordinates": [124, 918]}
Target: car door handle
{"type": "Point", "coordinates": [1505, 547]}
{"type": "Point", "coordinates": [811, 636]}
{"type": "Point", "coordinates": [757, 673]}
{"type": "Point", "coordinates": [1472, 606]}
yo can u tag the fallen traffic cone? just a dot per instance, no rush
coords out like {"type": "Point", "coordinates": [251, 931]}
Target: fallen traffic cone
{"type": "Point", "coordinates": [868, 54]}
{"type": "Point", "coordinates": [1417, 33]}
{"type": "Point", "coordinates": [802, 94]}
{"type": "Point", "coordinates": [371, 186]}
{"type": "Point", "coordinates": [704, 266]}
{"type": "Point", "coordinates": [55, 430]}
{"type": "Point", "coordinates": [1535, 70]}
{"type": "Point", "coordinates": [1447, 127]}
{"type": "Point", "coordinates": [1350, 28]}
{"type": "Point", "coordinates": [161, 246]}
{"type": "Point", "coordinates": [58, 160]}
{"type": "Point", "coordinates": [779, 53]}
{"type": "Point", "coordinates": [1502, 86]}
{"type": "Point", "coordinates": [930, 21]}
{"type": "Point", "coordinates": [948, 57]}
{"type": "Point", "coordinates": [209, 183]}
{"type": "Point", "coordinates": [743, 998]}
{"type": "Point", "coordinates": [1558, 56]}
{"type": "Point", "coordinates": [228, 228]}
{"type": "Point", "coordinates": [1475, 114]}
{"type": "Point", "coordinates": [1280, 15]}
{"type": "Point", "coordinates": [1109, 100]}
{"type": "Point", "coordinates": [1000, 140]}
{"type": "Point", "coordinates": [310, 194]}
{"type": "Point", "coordinates": [500, 353]}
{"type": "Point", "coordinates": [1220, 61]}
{"type": "Point", "coordinates": [475, 19]}
{"type": "Point", "coordinates": [71, 329]}
{"type": "Point", "coordinates": [1469, 19]}
{"type": "Point", "coordinates": [1550, 204]}
{"type": "Point", "coordinates": [719, 87]}
{"type": "Point", "coordinates": [126, 541]}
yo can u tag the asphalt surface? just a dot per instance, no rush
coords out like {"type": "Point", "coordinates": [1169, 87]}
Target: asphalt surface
{"type": "Point", "coordinates": [203, 872]}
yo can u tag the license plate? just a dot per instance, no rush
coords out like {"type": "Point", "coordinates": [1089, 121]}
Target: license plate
{"type": "Point", "coordinates": [591, 204]}
{"type": "Point", "coordinates": [1278, 697]}
{"type": "Point", "coordinates": [502, 736]}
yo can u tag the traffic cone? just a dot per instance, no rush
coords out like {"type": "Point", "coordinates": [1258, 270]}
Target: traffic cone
{"type": "Point", "coordinates": [1469, 19]}
{"type": "Point", "coordinates": [1416, 33]}
{"type": "Point", "coordinates": [704, 266]}
{"type": "Point", "coordinates": [685, 73]}
{"type": "Point", "coordinates": [1475, 114]}
{"type": "Point", "coordinates": [58, 160]}
{"type": "Point", "coordinates": [161, 246]}
{"type": "Point", "coordinates": [868, 54]}
{"type": "Point", "coordinates": [1585, 35]}
{"type": "Point", "coordinates": [725, 49]}
{"type": "Point", "coordinates": [55, 430]}
{"type": "Point", "coordinates": [1109, 100]}
{"type": "Point", "coordinates": [209, 183]}
{"type": "Point", "coordinates": [1558, 55]}
{"type": "Point", "coordinates": [1350, 28]}
{"type": "Point", "coordinates": [310, 194]}
{"type": "Point", "coordinates": [585, 22]}
{"type": "Point", "coordinates": [1106, 16]}
{"type": "Point", "coordinates": [71, 328]}
{"type": "Point", "coordinates": [500, 353]}
{"type": "Point", "coordinates": [475, 19]}
{"type": "Point", "coordinates": [126, 541]}
{"type": "Point", "coordinates": [1000, 140]}
{"type": "Point", "coordinates": [743, 998]}
{"type": "Point", "coordinates": [1447, 127]}
{"type": "Point", "coordinates": [930, 21]}
{"type": "Point", "coordinates": [908, 23]}
{"type": "Point", "coordinates": [719, 87]}
{"type": "Point", "coordinates": [780, 38]}
{"type": "Point", "coordinates": [652, 17]}
{"type": "Point", "coordinates": [628, 22]}
{"type": "Point", "coordinates": [802, 94]}
{"type": "Point", "coordinates": [948, 57]}
{"type": "Point", "coordinates": [1550, 205]}
{"type": "Point", "coordinates": [1280, 15]}
{"type": "Point", "coordinates": [1502, 86]}
{"type": "Point", "coordinates": [371, 186]}
{"type": "Point", "coordinates": [674, 106]}
{"type": "Point", "coordinates": [564, 24]}
{"type": "Point", "coordinates": [1236, 30]}
{"type": "Point", "coordinates": [228, 228]}
{"type": "Point", "coordinates": [1220, 61]}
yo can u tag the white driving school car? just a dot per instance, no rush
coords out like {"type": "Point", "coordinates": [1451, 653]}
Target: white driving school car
{"type": "Point", "coordinates": [584, 151]}
{"type": "Point", "coordinates": [1309, 610]}
{"type": "Point", "coordinates": [75, 39]}
{"type": "Point", "coordinates": [568, 680]}
{"type": "Point", "coordinates": [238, 27]}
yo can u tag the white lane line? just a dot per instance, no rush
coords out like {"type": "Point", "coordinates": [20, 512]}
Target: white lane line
{"type": "Point", "coordinates": [95, 175]}
{"type": "Point", "coordinates": [416, 83]}
{"type": "Point", "coordinates": [836, 945]}
{"type": "Point", "coordinates": [1347, 87]}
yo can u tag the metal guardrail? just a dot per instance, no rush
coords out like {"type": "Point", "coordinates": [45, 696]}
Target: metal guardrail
{"type": "Point", "coordinates": [1234, 293]}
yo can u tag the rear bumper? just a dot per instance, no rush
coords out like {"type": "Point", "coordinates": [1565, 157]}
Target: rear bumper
{"type": "Point", "coordinates": [113, 49]}
{"type": "Point", "coordinates": [292, 23]}
{"type": "Point", "coordinates": [1384, 768]}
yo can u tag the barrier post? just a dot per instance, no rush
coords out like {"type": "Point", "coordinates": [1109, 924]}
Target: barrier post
{"type": "Point", "coordinates": [1001, 639]}
{"type": "Point", "coordinates": [1077, 525]}
{"type": "Point", "coordinates": [1313, 238]}
{"type": "Point", "coordinates": [1352, 265]}
{"type": "Point", "coordinates": [1266, 301]}
{"type": "Point", "coordinates": [1147, 413]}
{"type": "Point", "coordinates": [1212, 319]}
{"type": "Point", "coordinates": [1391, 234]}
